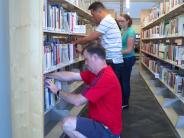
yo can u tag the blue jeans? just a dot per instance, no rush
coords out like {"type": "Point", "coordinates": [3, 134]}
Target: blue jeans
{"type": "Point", "coordinates": [93, 129]}
{"type": "Point", "coordinates": [126, 73]}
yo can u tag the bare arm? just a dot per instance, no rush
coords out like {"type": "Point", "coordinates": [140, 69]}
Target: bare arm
{"type": "Point", "coordinates": [65, 76]}
{"type": "Point", "coordinates": [75, 99]}
{"type": "Point", "coordinates": [93, 36]}
{"type": "Point", "coordinates": [130, 45]}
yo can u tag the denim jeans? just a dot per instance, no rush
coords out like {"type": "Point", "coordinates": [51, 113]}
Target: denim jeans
{"type": "Point", "coordinates": [126, 73]}
{"type": "Point", "coordinates": [93, 129]}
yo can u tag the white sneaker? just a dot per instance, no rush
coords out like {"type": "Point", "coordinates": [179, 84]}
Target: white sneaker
{"type": "Point", "coordinates": [125, 106]}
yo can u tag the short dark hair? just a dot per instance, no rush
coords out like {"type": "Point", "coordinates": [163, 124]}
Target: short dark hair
{"type": "Point", "coordinates": [96, 5]}
{"type": "Point", "coordinates": [127, 17]}
{"type": "Point", "coordinates": [95, 48]}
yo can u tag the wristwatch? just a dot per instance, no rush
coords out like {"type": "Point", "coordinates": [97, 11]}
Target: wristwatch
{"type": "Point", "coordinates": [58, 93]}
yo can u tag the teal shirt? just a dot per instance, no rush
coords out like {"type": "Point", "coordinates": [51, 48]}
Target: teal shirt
{"type": "Point", "coordinates": [130, 33]}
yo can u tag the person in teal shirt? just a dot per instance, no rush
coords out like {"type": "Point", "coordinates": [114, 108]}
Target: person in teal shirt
{"type": "Point", "coordinates": [128, 38]}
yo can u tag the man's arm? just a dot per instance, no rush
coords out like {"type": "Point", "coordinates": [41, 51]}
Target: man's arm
{"type": "Point", "coordinates": [75, 99]}
{"type": "Point", "coordinates": [65, 76]}
{"type": "Point", "coordinates": [93, 36]}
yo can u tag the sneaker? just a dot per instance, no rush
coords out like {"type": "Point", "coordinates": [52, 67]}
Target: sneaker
{"type": "Point", "coordinates": [125, 106]}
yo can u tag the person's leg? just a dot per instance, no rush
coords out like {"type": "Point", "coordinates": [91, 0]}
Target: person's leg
{"type": "Point", "coordinates": [126, 73]}
{"type": "Point", "coordinates": [85, 128]}
{"type": "Point", "coordinates": [69, 127]}
{"type": "Point", "coordinates": [117, 68]}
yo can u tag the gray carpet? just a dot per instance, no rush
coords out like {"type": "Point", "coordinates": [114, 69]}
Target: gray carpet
{"type": "Point", "coordinates": [144, 118]}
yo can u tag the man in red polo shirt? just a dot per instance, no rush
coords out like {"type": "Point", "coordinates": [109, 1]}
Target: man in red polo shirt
{"type": "Point", "coordinates": [102, 94]}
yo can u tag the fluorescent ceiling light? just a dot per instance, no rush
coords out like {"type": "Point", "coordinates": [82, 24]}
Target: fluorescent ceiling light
{"type": "Point", "coordinates": [127, 4]}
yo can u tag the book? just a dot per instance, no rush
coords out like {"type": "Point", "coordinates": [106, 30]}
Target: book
{"type": "Point", "coordinates": [56, 53]}
{"type": "Point", "coordinates": [167, 74]}
{"type": "Point", "coordinates": [50, 99]}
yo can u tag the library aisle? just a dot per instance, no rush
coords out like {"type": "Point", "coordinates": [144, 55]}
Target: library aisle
{"type": "Point", "coordinates": [40, 38]}
{"type": "Point", "coordinates": [145, 118]}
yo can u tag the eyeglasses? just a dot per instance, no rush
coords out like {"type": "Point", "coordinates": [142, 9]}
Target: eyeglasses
{"type": "Point", "coordinates": [122, 21]}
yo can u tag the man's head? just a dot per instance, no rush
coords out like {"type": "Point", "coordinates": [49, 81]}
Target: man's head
{"type": "Point", "coordinates": [94, 55]}
{"type": "Point", "coordinates": [98, 11]}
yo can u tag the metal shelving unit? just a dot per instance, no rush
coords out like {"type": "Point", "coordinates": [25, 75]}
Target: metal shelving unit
{"type": "Point", "coordinates": [170, 101]}
{"type": "Point", "coordinates": [167, 61]}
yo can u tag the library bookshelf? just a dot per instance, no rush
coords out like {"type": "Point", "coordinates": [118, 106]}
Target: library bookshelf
{"type": "Point", "coordinates": [163, 74]}
{"type": "Point", "coordinates": [26, 36]}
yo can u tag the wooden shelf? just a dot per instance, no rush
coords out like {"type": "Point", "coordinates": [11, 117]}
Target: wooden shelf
{"type": "Point", "coordinates": [167, 61]}
{"type": "Point", "coordinates": [61, 33]}
{"type": "Point", "coordinates": [170, 111]}
{"type": "Point", "coordinates": [53, 68]}
{"type": "Point", "coordinates": [164, 37]}
{"type": "Point", "coordinates": [174, 12]}
{"type": "Point", "coordinates": [181, 98]}
{"type": "Point", "coordinates": [71, 7]}
{"type": "Point", "coordinates": [75, 85]}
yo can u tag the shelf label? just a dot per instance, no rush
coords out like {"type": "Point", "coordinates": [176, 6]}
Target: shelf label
{"type": "Point", "coordinates": [156, 75]}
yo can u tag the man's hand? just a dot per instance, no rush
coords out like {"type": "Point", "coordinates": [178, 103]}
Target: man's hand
{"type": "Point", "coordinates": [75, 42]}
{"type": "Point", "coordinates": [52, 86]}
{"type": "Point", "coordinates": [93, 36]}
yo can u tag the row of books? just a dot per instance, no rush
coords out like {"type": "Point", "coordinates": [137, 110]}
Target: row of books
{"type": "Point", "coordinates": [57, 19]}
{"type": "Point", "coordinates": [173, 53]}
{"type": "Point", "coordinates": [164, 72]}
{"type": "Point", "coordinates": [50, 99]}
{"type": "Point", "coordinates": [173, 27]}
{"type": "Point", "coordinates": [56, 53]}
{"type": "Point", "coordinates": [163, 8]}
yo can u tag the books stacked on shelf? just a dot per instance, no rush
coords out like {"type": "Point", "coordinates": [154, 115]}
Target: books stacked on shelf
{"type": "Point", "coordinates": [166, 52]}
{"type": "Point", "coordinates": [159, 10]}
{"type": "Point", "coordinates": [59, 20]}
{"type": "Point", "coordinates": [56, 53]}
{"type": "Point", "coordinates": [173, 27]}
{"type": "Point", "coordinates": [164, 7]}
{"type": "Point", "coordinates": [173, 78]}
{"type": "Point", "coordinates": [50, 99]}
{"type": "Point", "coordinates": [150, 48]}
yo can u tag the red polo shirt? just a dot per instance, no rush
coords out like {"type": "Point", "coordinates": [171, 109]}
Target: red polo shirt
{"type": "Point", "coordinates": [103, 92]}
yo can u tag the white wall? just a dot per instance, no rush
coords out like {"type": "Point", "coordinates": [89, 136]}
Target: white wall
{"type": "Point", "coordinates": [113, 5]}
{"type": "Point", "coordinates": [5, 118]}
{"type": "Point", "coordinates": [136, 7]}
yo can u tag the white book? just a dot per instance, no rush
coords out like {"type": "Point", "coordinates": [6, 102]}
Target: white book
{"type": "Point", "coordinates": [61, 19]}
{"type": "Point", "coordinates": [178, 84]}
{"type": "Point", "coordinates": [48, 59]}
{"type": "Point", "coordinates": [71, 52]}
{"type": "Point", "coordinates": [65, 57]}
{"type": "Point", "coordinates": [181, 25]}
{"type": "Point", "coordinates": [47, 105]}
{"type": "Point", "coordinates": [53, 101]}
{"type": "Point", "coordinates": [58, 84]}
{"type": "Point", "coordinates": [180, 55]}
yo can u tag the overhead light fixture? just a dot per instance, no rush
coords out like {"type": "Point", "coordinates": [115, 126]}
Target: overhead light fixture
{"type": "Point", "coordinates": [127, 4]}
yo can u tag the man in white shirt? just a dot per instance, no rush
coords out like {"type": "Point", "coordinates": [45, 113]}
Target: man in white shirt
{"type": "Point", "coordinates": [109, 34]}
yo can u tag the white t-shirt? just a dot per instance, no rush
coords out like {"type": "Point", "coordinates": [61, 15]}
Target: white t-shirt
{"type": "Point", "coordinates": [111, 39]}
